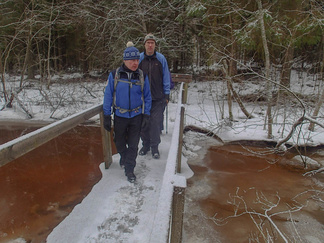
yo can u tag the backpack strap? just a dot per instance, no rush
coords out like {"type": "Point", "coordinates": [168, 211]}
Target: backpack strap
{"type": "Point", "coordinates": [142, 88]}
{"type": "Point", "coordinates": [117, 75]}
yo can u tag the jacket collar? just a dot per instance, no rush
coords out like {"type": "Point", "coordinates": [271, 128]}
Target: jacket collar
{"type": "Point", "coordinates": [152, 56]}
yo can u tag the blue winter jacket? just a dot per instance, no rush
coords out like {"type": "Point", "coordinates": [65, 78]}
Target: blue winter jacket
{"type": "Point", "coordinates": [128, 96]}
{"type": "Point", "coordinates": [156, 67]}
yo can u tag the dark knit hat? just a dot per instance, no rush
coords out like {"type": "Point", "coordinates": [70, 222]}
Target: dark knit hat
{"type": "Point", "coordinates": [131, 52]}
{"type": "Point", "coordinates": [149, 36]}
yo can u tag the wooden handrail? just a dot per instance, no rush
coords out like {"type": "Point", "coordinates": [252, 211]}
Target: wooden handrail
{"type": "Point", "coordinates": [24, 144]}
{"type": "Point", "coordinates": [180, 78]}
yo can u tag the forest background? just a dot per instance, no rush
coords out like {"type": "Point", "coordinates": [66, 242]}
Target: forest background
{"type": "Point", "coordinates": [237, 40]}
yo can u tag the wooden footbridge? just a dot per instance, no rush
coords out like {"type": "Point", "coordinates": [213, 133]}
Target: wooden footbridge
{"type": "Point", "coordinates": [167, 223]}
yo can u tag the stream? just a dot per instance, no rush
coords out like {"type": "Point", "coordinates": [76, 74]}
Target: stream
{"type": "Point", "coordinates": [39, 189]}
{"type": "Point", "coordinates": [239, 195]}
{"type": "Point", "coordinates": [233, 191]}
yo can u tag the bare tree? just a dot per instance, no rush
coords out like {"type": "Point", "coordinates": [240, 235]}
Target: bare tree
{"type": "Point", "coordinates": [27, 64]}
{"type": "Point", "coordinates": [321, 98]}
{"type": "Point", "coordinates": [235, 95]}
{"type": "Point", "coordinates": [267, 68]}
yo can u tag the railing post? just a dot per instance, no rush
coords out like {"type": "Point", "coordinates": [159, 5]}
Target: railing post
{"type": "Point", "coordinates": [183, 101]}
{"type": "Point", "coordinates": [179, 154]}
{"type": "Point", "coordinates": [185, 93]}
{"type": "Point", "coordinates": [177, 214]}
{"type": "Point", "coordinates": [106, 143]}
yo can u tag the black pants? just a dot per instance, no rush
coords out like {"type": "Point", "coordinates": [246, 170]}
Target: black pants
{"type": "Point", "coordinates": [126, 138]}
{"type": "Point", "coordinates": [151, 136]}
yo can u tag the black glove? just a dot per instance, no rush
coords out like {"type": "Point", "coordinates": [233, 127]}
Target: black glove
{"type": "Point", "coordinates": [167, 98]}
{"type": "Point", "coordinates": [145, 122]}
{"type": "Point", "coordinates": [107, 123]}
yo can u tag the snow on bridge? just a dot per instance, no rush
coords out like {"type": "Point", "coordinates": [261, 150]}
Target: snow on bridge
{"type": "Point", "coordinates": [118, 211]}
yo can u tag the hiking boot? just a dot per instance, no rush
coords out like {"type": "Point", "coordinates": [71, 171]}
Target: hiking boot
{"type": "Point", "coordinates": [144, 150]}
{"type": "Point", "coordinates": [155, 153]}
{"type": "Point", "coordinates": [131, 177]}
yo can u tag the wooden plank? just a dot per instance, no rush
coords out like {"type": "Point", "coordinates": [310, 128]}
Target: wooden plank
{"type": "Point", "coordinates": [180, 77]}
{"type": "Point", "coordinates": [177, 214]}
{"type": "Point", "coordinates": [24, 144]}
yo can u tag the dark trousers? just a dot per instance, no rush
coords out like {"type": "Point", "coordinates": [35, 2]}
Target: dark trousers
{"type": "Point", "coordinates": [126, 138]}
{"type": "Point", "coordinates": [151, 135]}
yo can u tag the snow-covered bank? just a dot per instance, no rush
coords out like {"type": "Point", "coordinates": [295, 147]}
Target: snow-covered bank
{"type": "Point", "coordinates": [206, 106]}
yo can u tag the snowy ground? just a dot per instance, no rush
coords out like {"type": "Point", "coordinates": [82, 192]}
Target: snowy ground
{"type": "Point", "coordinates": [118, 210]}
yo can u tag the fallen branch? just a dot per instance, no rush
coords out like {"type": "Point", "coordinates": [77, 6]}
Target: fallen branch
{"type": "Point", "coordinates": [203, 131]}
{"type": "Point", "coordinates": [258, 218]}
{"type": "Point", "coordinates": [313, 172]}
{"type": "Point", "coordinates": [93, 96]}
{"type": "Point", "coordinates": [20, 103]}
{"type": "Point", "coordinates": [293, 128]}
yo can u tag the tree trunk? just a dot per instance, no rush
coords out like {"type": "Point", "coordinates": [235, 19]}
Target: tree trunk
{"type": "Point", "coordinates": [3, 71]}
{"type": "Point", "coordinates": [233, 60]}
{"type": "Point", "coordinates": [267, 68]}
{"type": "Point", "coordinates": [229, 94]}
{"type": "Point", "coordinates": [321, 99]}
{"type": "Point", "coordinates": [235, 95]}
{"type": "Point", "coordinates": [316, 111]}
{"type": "Point", "coordinates": [49, 47]}
{"type": "Point", "coordinates": [27, 58]}
{"type": "Point", "coordinates": [3, 79]}
{"type": "Point", "coordinates": [286, 67]}
{"type": "Point", "coordinates": [30, 64]}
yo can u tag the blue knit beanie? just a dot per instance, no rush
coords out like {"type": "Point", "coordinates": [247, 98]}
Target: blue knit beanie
{"type": "Point", "coordinates": [131, 52]}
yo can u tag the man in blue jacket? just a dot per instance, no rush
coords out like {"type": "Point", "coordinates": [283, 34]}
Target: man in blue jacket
{"type": "Point", "coordinates": [128, 96]}
{"type": "Point", "coordinates": [155, 65]}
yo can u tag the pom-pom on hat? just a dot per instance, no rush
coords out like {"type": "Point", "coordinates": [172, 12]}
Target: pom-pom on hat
{"type": "Point", "coordinates": [131, 52]}
{"type": "Point", "coordinates": [149, 36]}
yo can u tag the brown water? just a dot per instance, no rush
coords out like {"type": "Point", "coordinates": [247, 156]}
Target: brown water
{"type": "Point", "coordinates": [38, 190]}
{"type": "Point", "coordinates": [233, 189]}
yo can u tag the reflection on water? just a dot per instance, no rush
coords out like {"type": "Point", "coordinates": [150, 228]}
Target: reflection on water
{"type": "Point", "coordinates": [38, 190]}
{"type": "Point", "coordinates": [234, 190]}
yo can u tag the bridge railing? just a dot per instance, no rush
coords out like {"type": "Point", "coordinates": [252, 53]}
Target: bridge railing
{"type": "Point", "coordinates": [24, 144]}
{"type": "Point", "coordinates": [168, 218]}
